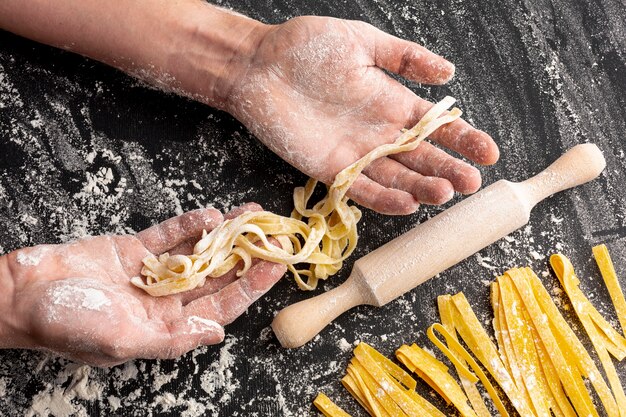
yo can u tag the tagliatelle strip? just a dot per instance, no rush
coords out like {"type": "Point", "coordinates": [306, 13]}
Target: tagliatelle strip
{"type": "Point", "coordinates": [327, 407]}
{"type": "Point", "coordinates": [383, 388]}
{"type": "Point", "coordinates": [540, 364]}
{"type": "Point", "coordinates": [529, 376]}
{"type": "Point", "coordinates": [330, 233]}
{"type": "Point", "coordinates": [467, 381]}
{"type": "Point", "coordinates": [603, 337]}
{"type": "Point", "coordinates": [435, 374]}
{"type": "Point", "coordinates": [605, 264]}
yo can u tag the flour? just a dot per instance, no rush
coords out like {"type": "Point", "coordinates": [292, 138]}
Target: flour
{"type": "Point", "coordinates": [200, 325]}
{"type": "Point", "coordinates": [31, 256]}
{"type": "Point", "coordinates": [161, 379]}
{"type": "Point", "coordinates": [57, 401]}
{"type": "Point", "coordinates": [77, 298]}
{"type": "Point", "coordinates": [218, 380]}
{"type": "Point", "coordinates": [168, 402]}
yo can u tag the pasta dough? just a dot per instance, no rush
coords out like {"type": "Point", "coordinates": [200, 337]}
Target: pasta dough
{"type": "Point", "coordinates": [329, 233]}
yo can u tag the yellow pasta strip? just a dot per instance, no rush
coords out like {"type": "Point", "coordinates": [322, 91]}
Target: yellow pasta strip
{"type": "Point", "coordinates": [387, 383]}
{"type": "Point", "coordinates": [408, 358]}
{"type": "Point", "coordinates": [371, 404]}
{"type": "Point", "coordinates": [329, 234]}
{"type": "Point", "coordinates": [457, 348]}
{"type": "Point", "coordinates": [477, 339]}
{"type": "Point", "coordinates": [605, 264]}
{"type": "Point", "coordinates": [435, 373]}
{"type": "Point", "coordinates": [327, 407]}
{"type": "Point", "coordinates": [444, 303]}
{"type": "Point", "coordinates": [350, 384]}
{"type": "Point", "coordinates": [382, 399]}
{"type": "Point", "coordinates": [596, 332]}
{"type": "Point", "coordinates": [530, 377]}
{"type": "Point", "coordinates": [574, 387]}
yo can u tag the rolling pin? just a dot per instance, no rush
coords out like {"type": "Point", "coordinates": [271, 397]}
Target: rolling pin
{"type": "Point", "coordinates": [437, 244]}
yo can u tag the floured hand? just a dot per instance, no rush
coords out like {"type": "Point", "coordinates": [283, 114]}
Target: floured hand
{"type": "Point", "coordinates": [316, 94]}
{"type": "Point", "coordinates": [76, 300]}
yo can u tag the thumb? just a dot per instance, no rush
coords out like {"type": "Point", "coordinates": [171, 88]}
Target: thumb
{"type": "Point", "coordinates": [197, 331]}
{"type": "Point", "coordinates": [408, 59]}
{"type": "Point", "coordinates": [185, 334]}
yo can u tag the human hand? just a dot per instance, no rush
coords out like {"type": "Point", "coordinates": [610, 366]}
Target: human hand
{"type": "Point", "coordinates": [316, 94]}
{"type": "Point", "coordinates": [76, 299]}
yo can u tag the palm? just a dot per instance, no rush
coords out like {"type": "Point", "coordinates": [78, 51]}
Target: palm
{"type": "Point", "coordinates": [318, 98]}
{"type": "Point", "coordinates": [86, 309]}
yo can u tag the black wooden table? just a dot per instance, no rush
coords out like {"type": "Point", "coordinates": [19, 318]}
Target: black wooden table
{"type": "Point", "coordinates": [87, 150]}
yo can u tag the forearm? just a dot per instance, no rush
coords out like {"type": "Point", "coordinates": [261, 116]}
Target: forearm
{"type": "Point", "coordinates": [186, 46]}
{"type": "Point", "coordinates": [7, 328]}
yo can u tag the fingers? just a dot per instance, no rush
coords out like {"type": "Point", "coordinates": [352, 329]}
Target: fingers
{"type": "Point", "coordinates": [237, 211]}
{"type": "Point", "coordinates": [375, 196]}
{"type": "Point", "coordinates": [172, 232]}
{"type": "Point", "coordinates": [424, 189]}
{"type": "Point", "coordinates": [459, 136]}
{"type": "Point", "coordinates": [213, 285]}
{"type": "Point", "coordinates": [230, 302]}
{"type": "Point", "coordinates": [180, 337]}
{"type": "Point", "coordinates": [186, 247]}
{"type": "Point", "coordinates": [433, 162]}
{"type": "Point", "coordinates": [409, 59]}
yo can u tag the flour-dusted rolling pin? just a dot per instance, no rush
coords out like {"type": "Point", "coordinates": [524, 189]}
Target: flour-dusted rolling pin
{"type": "Point", "coordinates": [437, 244]}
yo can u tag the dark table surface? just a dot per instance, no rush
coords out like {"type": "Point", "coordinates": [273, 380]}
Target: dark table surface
{"type": "Point", "coordinates": [538, 75]}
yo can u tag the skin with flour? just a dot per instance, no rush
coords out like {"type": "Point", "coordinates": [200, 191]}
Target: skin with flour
{"type": "Point", "coordinates": [312, 89]}
{"type": "Point", "coordinates": [85, 309]}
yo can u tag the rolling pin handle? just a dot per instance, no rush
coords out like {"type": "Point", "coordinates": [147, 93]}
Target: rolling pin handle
{"type": "Point", "coordinates": [298, 323]}
{"type": "Point", "coordinates": [577, 166]}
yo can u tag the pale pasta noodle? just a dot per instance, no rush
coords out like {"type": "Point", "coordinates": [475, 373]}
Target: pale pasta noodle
{"type": "Point", "coordinates": [324, 241]}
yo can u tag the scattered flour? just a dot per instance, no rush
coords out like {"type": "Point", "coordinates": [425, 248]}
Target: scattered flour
{"type": "Point", "coordinates": [31, 256]}
{"type": "Point", "coordinates": [58, 401]}
{"type": "Point", "coordinates": [218, 377]}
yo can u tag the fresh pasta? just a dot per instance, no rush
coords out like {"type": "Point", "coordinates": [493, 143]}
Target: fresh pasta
{"type": "Point", "coordinates": [538, 362]}
{"type": "Point", "coordinates": [327, 237]}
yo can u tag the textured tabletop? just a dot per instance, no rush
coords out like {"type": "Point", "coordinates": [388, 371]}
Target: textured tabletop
{"type": "Point", "coordinates": [86, 150]}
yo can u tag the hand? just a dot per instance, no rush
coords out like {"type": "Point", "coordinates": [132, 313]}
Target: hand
{"type": "Point", "coordinates": [316, 94]}
{"type": "Point", "coordinates": [76, 300]}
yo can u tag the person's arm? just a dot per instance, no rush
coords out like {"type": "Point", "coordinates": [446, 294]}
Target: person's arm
{"type": "Point", "coordinates": [11, 334]}
{"type": "Point", "coordinates": [6, 294]}
{"type": "Point", "coordinates": [313, 89]}
{"type": "Point", "coordinates": [185, 46]}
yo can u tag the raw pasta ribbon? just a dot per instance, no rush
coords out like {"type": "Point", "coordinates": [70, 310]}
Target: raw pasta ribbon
{"type": "Point", "coordinates": [322, 236]}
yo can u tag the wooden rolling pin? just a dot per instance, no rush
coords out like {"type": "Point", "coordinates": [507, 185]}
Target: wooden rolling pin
{"type": "Point", "coordinates": [437, 244]}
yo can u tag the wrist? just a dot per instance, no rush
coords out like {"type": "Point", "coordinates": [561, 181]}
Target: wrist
{"type": "Point", "coordinates": [6, 301]}
{"type": "Point", "coordinates": [11, 334]}
{"type": "Point", "coordinates": [212, 51]}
